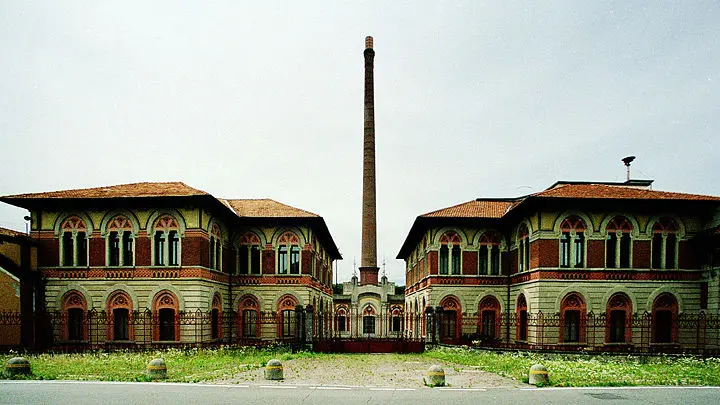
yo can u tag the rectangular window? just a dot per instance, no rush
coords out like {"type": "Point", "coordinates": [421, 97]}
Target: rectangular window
{"type": "Point", "coordinates": [282, 260]}
{"type": "Point", "coordinates": [572, 326]}
{"type": "Point", "coordinates": [288, 316]}
{"type": "Point", "coordinates": [565, 250]}
{"type": "Point", "coordinates": [448, 324]}
{"type": "Point", "coordinates": [488, 324]}
{"type": "Point", "coordinates": [483, 260]}
{"type": "Point", "coordinates": [523, 324]}
{"type": "Point", "coordinates": [249, 323]}
{"type": "Point", "coordinates": [159, 248]}
{"type": "Point", "coordinates": [368, 325]}
{"type": "Point", "coordinates": [82, 250]}
{"type": "Point", "coordinates": [68, 249]}
{"type": "Point", "coordinates": [610, 250]}
{"type": "Point", "coordinates": [657, 241]}
{"type": "Point", "coordinates": [341, 323]}
{"type": "Point", "coordinates": [127, 248]}
{"type": "Point", "coordinates": [579, 250]}
{"type": "Point", "coordinates": [174, 248]}
{"type": "Point", "coordinates": [212, 252]}
{"type": "Point", "coordinates": [255, 259]}
{"type": "Point", "coordinates": [625, 243]}
{"type": "Point", "coordinates": [114, 243]}
{"type": "Point", "coordinates": [121, 320]}
{"type": "Point", "coordinates": [243, 259]}
{"type": "Point", "coordinates": [456, 259]}
{"type": "Point", "coordinates": [617, 326]}
{"type": "Point", "coordinates": [444, 251]}
{"type": "Point", "coordinates": [76, 324]}
{"type": "Point", "coordinates": [396, 323]}
{"type": "Point", "coordinates": [495, 261]}
{"type": "Point", "coordinates": [670, 244]}
{"type": "Point", "coordinates": [527, 253]}
{"type": "Point", "coordinates": [294, 260]}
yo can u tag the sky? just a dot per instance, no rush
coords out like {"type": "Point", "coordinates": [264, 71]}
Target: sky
{"type": "Point", "coordinates": [265, 100]}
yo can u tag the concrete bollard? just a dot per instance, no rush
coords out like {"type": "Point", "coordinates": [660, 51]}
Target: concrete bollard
{"type": "Point", "coordinates": [274, 370]}
{"type": "Point", "coordinates": [157, 369]}
{"type": "Point", "coordinates": [538, 375]}
{"type": "Point", "coordinates": [435, 376]}
{"type": "Point", "coordinates": [17, 366]}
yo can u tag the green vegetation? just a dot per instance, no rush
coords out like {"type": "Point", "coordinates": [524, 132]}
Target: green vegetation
{"type": "Point", "coordinates": [192, 365]}
{"type": "Point", "coordinates": [590, 370]}
{"type": "Point", "coordinates": [233, 364]}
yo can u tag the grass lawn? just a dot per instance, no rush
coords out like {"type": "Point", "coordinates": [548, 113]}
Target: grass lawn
{"type": "Point", "coordinates": [193, 365]}
{"type": "Point", "coordinates": [211, 365]}
{"type": "Point", "coordinates": [586, 370]}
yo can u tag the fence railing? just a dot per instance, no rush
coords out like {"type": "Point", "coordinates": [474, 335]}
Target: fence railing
{"type": "Point", "coordinates": [605, 332]}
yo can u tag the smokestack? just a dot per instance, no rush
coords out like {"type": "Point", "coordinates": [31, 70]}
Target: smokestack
{"type": "Point", "coordinates": [368, 258]}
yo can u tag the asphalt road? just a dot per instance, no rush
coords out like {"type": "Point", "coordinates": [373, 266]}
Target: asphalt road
{"type": "Point", "coordinates": [69, 392]}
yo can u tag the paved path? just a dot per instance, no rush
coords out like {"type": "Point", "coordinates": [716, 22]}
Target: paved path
{"type": "Point", "coordinates": [69, 392]}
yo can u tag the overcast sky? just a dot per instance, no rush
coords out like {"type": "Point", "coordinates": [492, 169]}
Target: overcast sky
{"type": "Point", "coordinates": [250, 100]}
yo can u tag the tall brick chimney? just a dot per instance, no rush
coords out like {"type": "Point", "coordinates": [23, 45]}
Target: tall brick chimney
{"type": "Point", "coordinates": [368, 258]}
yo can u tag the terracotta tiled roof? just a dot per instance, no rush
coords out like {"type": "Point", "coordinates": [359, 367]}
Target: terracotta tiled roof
{"type": "Point", "coordinates": [266, 208]}
{"type": "Point", "coordinates": [473, 209]}
{"type": "Point", "coordinates": [171, 189]}
{"type": "Point", "coordinates": [10, 232]}
{"type": "Point", "coordinates": [603, 191]}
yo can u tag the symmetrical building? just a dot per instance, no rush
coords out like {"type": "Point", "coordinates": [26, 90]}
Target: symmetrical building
{"type": "Point", "coordinates": [616, 250]}
{"type": "Point", "coordinates": [167, 249]}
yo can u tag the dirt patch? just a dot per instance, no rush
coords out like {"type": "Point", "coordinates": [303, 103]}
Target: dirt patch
{"type": "Point", "coordinates": [374, 370]}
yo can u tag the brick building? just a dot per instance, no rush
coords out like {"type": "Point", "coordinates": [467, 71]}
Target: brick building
{"type": "Point", "coordinates": [617, 252]}
{"type": "Point", "coordinates": [168, 250]}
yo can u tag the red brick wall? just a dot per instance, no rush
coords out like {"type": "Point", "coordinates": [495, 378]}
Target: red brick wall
{"type": "Point", "coordinates": [513, 258]}
{"type": "Point", "coordinates": [268, 261]}
{"type": "Point", "coordinates": [48, 252]}
{"type": "Point", "coordinates": [506, 261]}
{"type": "Point", "coordinates": [97, 251]}
{"type": "Point", "coordinates": [545, 252]}
{"type": "Point", "coordinates": [142, 251]}
{"type": "Point", "coordinates": [470, 263]}
{"type": "Point", "coordinates": [194, 251]}
{"type": "Point", "coordinates": [433, 257]}
{"type": "Point", "coordinates": [641, 254]}
{"type": "Point", "coordinates": [305, 257]}
{"type": "Point", "coordinates": [596, 253]}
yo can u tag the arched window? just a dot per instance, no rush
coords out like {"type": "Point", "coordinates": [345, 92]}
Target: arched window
{"type": "Point", "coordinates": [120, 310]}
{"type": "Point", "coordinates": [522, 318]}
{"type": "Point", "coordinates": [665, 244]}
{"type": "Point", "coordinates": [119, 238]}
{"type": "Point", "coordinates": [249, 311]}
{"type": "Point", "coordinates": [618, 318]}
{"type": "Point", "coordinates": [450, 253]}
{"type": "Point", "coordinates": [286, 309]}
{"type": "Point", "coordinates": [249, 254]}
{"type": "Point", "coordinates": [288, 253]}
{"type": "Point", "coordinates": [342, 323]}
{"type": "Point", "coordinates": [489, 318]}
{"type": "Point", "coordinates": [489, 254]}
{"type": "Point", "coordinates": [215, 247]}
{"type": "Point", "coordinates": [166, 242]}
{"type": "Point", "coordinates": [73, 242]}
{"type": "Point", "coordinates": [165, 317]}
{"type": "Point", "coordinates": [523, 248]}
{"type": "Point", "coordinates": [216, 317]}
{"type": "Point", "coordinates": [618, 245]}
{"type": "Point", "coordinates": [74, 307]}
{"type": "Point", "coordinates": [664, 319]}
{"type": "Point", "coordinates": [450, 319]}
{"type": "Point", "coordinates": [572, 242]}
{"type": "Point", "coordinates": [396, 319]}
{"type": "Point", "coordinates": [368, 320]}
{"type": "Point", "coordinates": [572, 319]}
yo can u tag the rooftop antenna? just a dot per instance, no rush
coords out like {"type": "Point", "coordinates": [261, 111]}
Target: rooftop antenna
{"type": "Point", "coordinates": [627, 161]}
{"type": "Point", "coordinates": [384, 266]}
{"type": "Point", "coordinates": [354, 267]}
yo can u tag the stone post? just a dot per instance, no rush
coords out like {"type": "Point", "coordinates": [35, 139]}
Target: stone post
{"type": "Point", "coordinates": [309, 315]}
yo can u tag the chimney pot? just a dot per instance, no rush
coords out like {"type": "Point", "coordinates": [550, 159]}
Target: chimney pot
{"type": "Point", "coordinates": [368, 42]}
